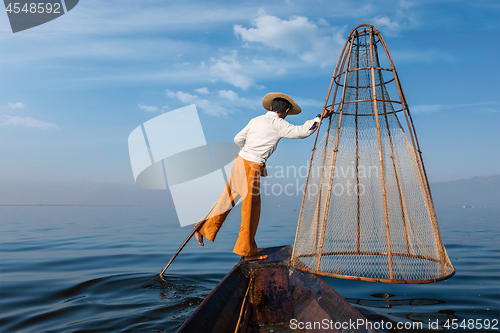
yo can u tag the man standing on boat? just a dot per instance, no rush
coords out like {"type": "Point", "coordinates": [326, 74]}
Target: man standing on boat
{"type": "Point", "coordinates": [257, 141]}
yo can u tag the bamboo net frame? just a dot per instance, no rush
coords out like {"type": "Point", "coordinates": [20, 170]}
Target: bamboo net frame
{"type": "Point", "coordinates": [367, 211]}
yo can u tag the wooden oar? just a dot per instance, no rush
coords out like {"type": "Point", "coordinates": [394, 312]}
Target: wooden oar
{"type": "Point", "coordinates": [182, 246]}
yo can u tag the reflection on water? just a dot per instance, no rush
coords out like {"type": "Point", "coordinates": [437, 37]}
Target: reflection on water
{"type": "Point", "coordinates": [373, 303]}
{"type": "Point", "coordinates": [128, 301]}
{"type": "Point", "coordinates": [369, 308]}
{"type": "Point", "coordinates": [383, 295]}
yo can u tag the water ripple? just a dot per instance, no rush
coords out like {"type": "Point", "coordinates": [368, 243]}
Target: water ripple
{"type": "Point", "coordinates": [83, 269]}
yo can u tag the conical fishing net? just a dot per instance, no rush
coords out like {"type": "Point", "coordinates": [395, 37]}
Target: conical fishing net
{"type": "Point", "coordinates": [367, 212]}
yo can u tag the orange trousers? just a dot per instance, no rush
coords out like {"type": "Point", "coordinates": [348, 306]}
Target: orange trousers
{"type": "Point", "coordinates": [243, 183]}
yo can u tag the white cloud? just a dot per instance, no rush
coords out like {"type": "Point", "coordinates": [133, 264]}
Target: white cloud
{"type": "Point", "coordinates": [203, 90]}
{"type": "Point", "coordinates": [323, 22]}
{"type": "Point", "coordinates": [118, 16]}
{"type": "Point", "coordinates": [212, 109]}
{"type": "Point", "coordinates": [15, 106]}
{"type": "Point", "coordinates": [207, 106]}
{"type": "Point", "coordinates": [228, 94]}
{"type": "Point", "coordinates": [186, 97]}
{"type": "Point", "coordinates": [311, 103]}
{"type": "Point", "coordinates": [428, 108]}
{"type": "Point", "coordinates": [26, 122]}
{"type": "Point", "coordinates": [488, 106]}
{"type": "Point", "coordinates": [421, 56]}
{"type": "Point", "coordinates": [367, 9]}
{"type": "Point", "coordinates": [182, 96]}
{"type": "Point", "coordinates": [147, 108]}
{"type": "Point", "coordinates": [406, 4]}
{"type": "Point", "coordinates": [387, 22]}
{"type": "Point", "coordinates": [396, 18]}
{"type": "Point", "coordinates": [296, 35]}
{"type": "Point", "coordinates": [277, 67]}
{"type": "Point", "coordinates": [229, 69]}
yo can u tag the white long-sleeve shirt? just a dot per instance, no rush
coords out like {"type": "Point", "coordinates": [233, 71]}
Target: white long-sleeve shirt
{"type": "Point", "coordinates": [259, 139]}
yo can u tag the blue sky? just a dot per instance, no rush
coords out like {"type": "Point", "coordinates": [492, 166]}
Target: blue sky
{"type": "Point", "coordinates": [74, 88]}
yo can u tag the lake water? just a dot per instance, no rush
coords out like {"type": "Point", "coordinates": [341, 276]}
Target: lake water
{"type": "Point", "coordinates": [93, 268]}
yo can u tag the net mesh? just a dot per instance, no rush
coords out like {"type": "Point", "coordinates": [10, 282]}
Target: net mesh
{"type": "Point", "coordinates": [367, 212]}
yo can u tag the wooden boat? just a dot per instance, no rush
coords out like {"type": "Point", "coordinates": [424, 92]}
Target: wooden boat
{"type": "Point", "coordinates": [272, 296]}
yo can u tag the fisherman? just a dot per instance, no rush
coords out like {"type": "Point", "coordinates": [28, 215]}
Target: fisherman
{"type": "Point", "coordinates": [257, 141]}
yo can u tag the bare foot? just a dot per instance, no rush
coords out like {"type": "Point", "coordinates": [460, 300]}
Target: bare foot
{"type": "Point", "coordinates": [199, 238]}
{"type": "Point", "coordinates": [257, 256]}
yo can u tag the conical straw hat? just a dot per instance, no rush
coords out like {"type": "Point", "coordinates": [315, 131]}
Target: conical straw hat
{"type": "Point", "coordinates": [269, 98]}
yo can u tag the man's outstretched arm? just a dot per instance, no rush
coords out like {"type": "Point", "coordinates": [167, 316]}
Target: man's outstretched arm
{"type": "Point", "coordinates": [298, 132]}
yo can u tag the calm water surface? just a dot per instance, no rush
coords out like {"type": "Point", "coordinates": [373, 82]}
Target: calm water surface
{"type": "Point", "coordinates": [93, 268]}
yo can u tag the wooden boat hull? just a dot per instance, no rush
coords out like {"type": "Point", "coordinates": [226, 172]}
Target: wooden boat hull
{"type": "Point", "coordinates": [271, 296]}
